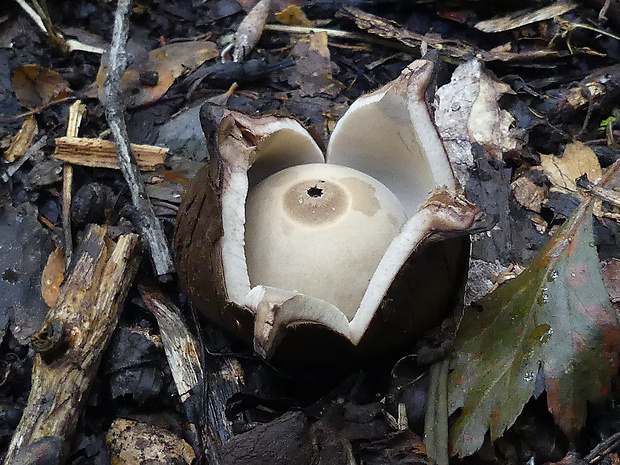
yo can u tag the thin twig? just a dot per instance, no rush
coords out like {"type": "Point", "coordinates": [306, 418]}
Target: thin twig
{"type": "Point", "coordinates": [67, 183]}
{"type": "Point", "coordinates": [603, 448]}
{"type": "Point", "coordinates": [337, 33]}
{"type": "Point", "coordinates": [76, 113]}
{"type": "Point", "coordinates": [13, 168]}
{"type": "Point", "coordinates": [603, 12]}
{"type": "Point", "coordinates": [38, 110]}
{"type": "Point", "coordinates": [148, 224]}
{"type": "Point", "coordinates": [586, 120]}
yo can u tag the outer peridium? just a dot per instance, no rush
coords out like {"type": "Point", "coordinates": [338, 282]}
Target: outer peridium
{"type": "Point", "coordinates": [388, 134]}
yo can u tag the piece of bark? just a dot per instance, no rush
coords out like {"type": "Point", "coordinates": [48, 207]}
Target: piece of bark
{"type": "Point", "coordinates": [100, 153]}
{"type": "Point", "coordinates": [293, 439]}
{"type": "Point", "coordinates": [397, 448]}
{"type": "Point", "coordinates": [204, 400]}
{"type": "Point", "coordinates": [283, 441]}
{"type": "Point", "coordinates": [70, 345]}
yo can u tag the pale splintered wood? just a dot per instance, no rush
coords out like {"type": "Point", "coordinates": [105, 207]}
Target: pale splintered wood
{"type": "Point", "coordinates": [100, 153]}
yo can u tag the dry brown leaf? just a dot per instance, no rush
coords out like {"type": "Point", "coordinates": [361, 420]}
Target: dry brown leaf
{"type": "Point", "coordinates": [524, 17]}
{"type": "Point", "coordinates": [452, 48]}
{"type": "Point", "coordinates": [468, 113]}
{"type": "Point", "coordinates": [35, 86]}
{"type": "Point", "coordinates": [162, 67]}
{"type": "Point", "coordinates": [53, 276]}
{"type": "Point", "coordinates": [313, 67]}
{"type": "Point", "coordinates": [578, 159]}
{"type": "Point", "coordinates": [293, 15]}
{"type": "Point", "coordinates": [528, 193]}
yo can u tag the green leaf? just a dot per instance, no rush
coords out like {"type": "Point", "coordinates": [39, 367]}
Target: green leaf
{"type": "Point", "coordinates": [607, 121]}
{"type": "Point", "coordinates": [552, 327]}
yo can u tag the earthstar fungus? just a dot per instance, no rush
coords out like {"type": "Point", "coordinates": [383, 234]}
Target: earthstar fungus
{"type": "Point", "coordinates": [364, 248]}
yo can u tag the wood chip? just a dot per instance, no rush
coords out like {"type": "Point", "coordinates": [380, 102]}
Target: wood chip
{"type": "Point", "coordinates": [99, 153]}
{"type": "Point", "coordinates": [22, 140]}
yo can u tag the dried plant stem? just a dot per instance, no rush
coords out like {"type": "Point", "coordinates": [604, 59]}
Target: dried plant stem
{"type": "Point", "coordinates": [148, 224]}
{"type": "Point", "coordinates": [33, 14]}
{"type": "Point", "coordinates": [67, 183]}
{"type": "Point", "coordinates": [12, 169]}
{"type": "Point", "coordinates": [336, 33]}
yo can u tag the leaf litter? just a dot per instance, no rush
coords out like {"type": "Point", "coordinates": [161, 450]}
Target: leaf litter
{"type": "Point", "coordinates": [150, 80]}
{"type": "Point", "coordinates": [552, 327]}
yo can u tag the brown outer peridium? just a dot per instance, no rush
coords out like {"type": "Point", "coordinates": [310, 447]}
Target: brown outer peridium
{"type": "Point", "coordinates": [198, 257]}
{"type": "Point", "coordinates": [199, 266]}
{"type": "Point", "coordinates": [438, 269]}
{"type": "Point", "coordinates": [198, 233]}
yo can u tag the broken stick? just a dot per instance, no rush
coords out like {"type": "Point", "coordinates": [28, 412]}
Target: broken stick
{"type": "Point", "coordinates": [204, 390]}
{"type": "Point", "coordinates": [100, 153]}
{"type": "Point", "coordinates": [70, 345]}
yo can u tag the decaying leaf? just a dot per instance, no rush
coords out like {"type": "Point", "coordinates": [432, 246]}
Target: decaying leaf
{"type": "Point", "coordinates": [148, 81]}
{"type": "Point", "coordinates": [53, 276]}
{"type": "Point", "coordinates": [529, 193]}
{"type": "Point", "coordinates": [313, 67]}
{"type": "Point", "coordinates": [468, 113]}
{"type": "Point", "coordinates": [550, 328]}
{"type": "Point", "coordinates": [524, 17]}
{"type": "Point", "coordinates": [447, 47]}
{"type": "Point", "coordinates": [398, 448]}
{"type": "Point", "coordinates": [293, 15]}
{"type": "Point", "coordinates": [133, 442]}
{"type": "Point", "coordinates": [26, 244]}
{"type": "Point", "coordinates": [36, 86]}
{"type": "Point", "coordinates": [578, 159]}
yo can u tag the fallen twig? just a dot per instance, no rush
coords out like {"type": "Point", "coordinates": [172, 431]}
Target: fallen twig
{"type": "Point", "coordinates": [149, 225]}
{"type": "Point", "coordinates": [603, 448]}
{"type": "Point", "coordinates": [13, 168]}
{"type": "Point", "coordinates": [339, 34]}
{"type": "Point", "coordinates": [249, 32]}
{"type": "Point", "coordinates": [76, 113]}
{"type": "Point", "coordinates": [70, 345]}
